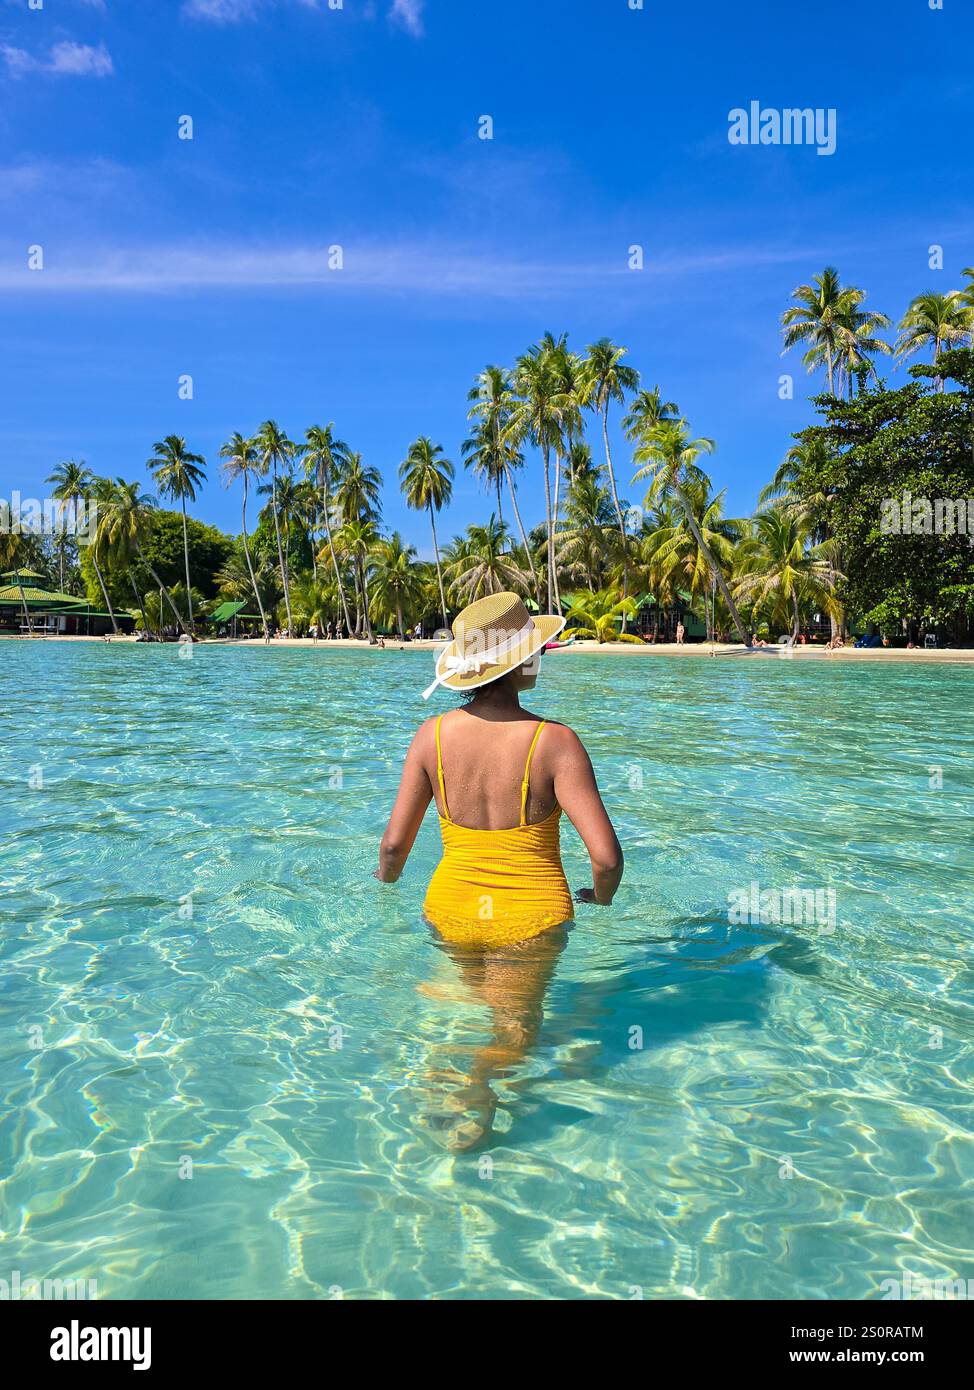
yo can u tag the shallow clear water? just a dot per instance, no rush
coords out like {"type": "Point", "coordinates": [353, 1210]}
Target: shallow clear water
{"type": "Point", "coordinates": [188, 929]}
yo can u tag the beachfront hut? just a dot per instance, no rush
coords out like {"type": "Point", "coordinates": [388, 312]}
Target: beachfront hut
{"type": "Point", "coordinates": [230, 614]}
{"type": "Point", "coordinates": [26, 606]}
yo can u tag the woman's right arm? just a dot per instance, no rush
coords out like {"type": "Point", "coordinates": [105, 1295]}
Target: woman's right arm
{"type": "Point", "coordinates": [577, 793]}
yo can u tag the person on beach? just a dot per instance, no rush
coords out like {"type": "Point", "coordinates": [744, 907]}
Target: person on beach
{"type": "Point", "coordinates": [680, 634]}
{"type": "Point", "coordinates": [500, 777]}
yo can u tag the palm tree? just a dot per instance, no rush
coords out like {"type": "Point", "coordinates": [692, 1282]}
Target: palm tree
{"type": "Point", "coordinates": [324, 458]}
{"type": "Point", "coordinates": [815, 322]}
{"type": "Point", "coordinates": [857, 346]}
{"type": "Point", "coordinates": [359, 538]}
{"type": "Point", "coordinates": [74, 483]}
{"type": "Point", "coordinates": [598, 613]}
{"type": "Point", "coordinates": [482, 566]}
{"type": "Point", "coordinates": [398, 582]}
{"type": "Point", "coordinates": [537, 416]}
{"type": "Point", "coordinates": [427, 484]}
{"type": "Point", "coordinates": [124, 522]}
{"type": "Point", "coordinates": [491, 450]}
{"type": "Point", "coordinates": [648, 409]}
{"type": "Point", "coordinates": [241, 460]}
{"type": "Point", "coordinates": [939, 319]}
{"type": "Point", "coordinates": [793, 491]}
{"type": "Point", "coordinates": [275, 450]}
{"type": "Point", "coordinates": [779, 568]}
{"type": "Point", "coordinates": [608, 380]}
{"type": "Point", "coordinates": [357, 499]}
{"type": "Point", "coordinates": [669, 457]}
{"type": "Point", "coordinates": [572, 386]}
{"type": "Point", "coordinates": [585, 540]}
{"type": "Point", "coordinates": [178, 473]}
{"type": "Point", "coordinates": [674, 550]}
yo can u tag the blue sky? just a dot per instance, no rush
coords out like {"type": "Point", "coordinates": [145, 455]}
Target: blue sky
{"type": "Point", "coordinates": [359, 127]}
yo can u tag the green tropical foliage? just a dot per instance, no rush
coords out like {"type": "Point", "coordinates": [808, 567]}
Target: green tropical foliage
{"type": "Point", "coordinates": [815, 553]}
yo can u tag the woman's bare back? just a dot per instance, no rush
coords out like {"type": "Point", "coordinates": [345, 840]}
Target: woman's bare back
{"type": "Point", "coordinates": [483, 767]}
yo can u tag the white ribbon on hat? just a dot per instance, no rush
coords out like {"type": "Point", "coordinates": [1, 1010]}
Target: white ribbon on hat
{"type": "Point", "coordinates": [469, 665]}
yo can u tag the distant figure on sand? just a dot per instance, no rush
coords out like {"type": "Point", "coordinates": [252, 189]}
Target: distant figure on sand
{"type": "Point", "coordinates": [680, 633]}
{"type": "Point", "coordinates": [500, 777]}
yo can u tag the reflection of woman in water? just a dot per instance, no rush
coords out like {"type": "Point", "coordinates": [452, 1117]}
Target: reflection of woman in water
{"type": "Point", "coordinates": [501, 778]}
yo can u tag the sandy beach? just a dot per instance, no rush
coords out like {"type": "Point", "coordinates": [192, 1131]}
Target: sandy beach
{"type": "Point", "coordinates": [959, 656]}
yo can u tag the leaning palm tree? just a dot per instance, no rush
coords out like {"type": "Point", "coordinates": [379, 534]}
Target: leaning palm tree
{"type": "Point", "coordinates": [241, 460]}
{"type": "Point", "coordinates": [275, 450]}
{"type": "Point", "coordinates": [178, 473]}
{"type": "Point", "coordinates": [669, 458]}
{"type": "Point", "coordinates": [937, 320]}
{"type": "Point", "coordinates": [124, 523]}
{"type": "Point", "coordinates": [483, 566]}
{"type": "Point", "coordinates": [427, 485]}
{"type": "Point", "coordinates": [608, 380]}
{"type": "Point", "coordinates": [780, 569]}
{"type": "Point", "coordinates": [324, 458]}
{"type": "Point", "coordinates": [75, 483]}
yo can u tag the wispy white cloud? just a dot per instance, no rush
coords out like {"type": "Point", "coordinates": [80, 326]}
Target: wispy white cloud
{"type": "Point", "coordinates": [66, 59]}
{"type": "Point", "coordinates": [437, 269]}
{"type": "Point", "coordinates": [408, 14]}
{"type": "Point", "coordinates": [235, 11]}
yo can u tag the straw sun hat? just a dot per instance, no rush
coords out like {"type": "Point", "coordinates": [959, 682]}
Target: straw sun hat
{"type": "Point", "coordinates": [491, 637]}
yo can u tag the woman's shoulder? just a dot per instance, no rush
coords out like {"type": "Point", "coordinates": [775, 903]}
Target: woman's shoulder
{"type": "Point", "coordinates": [559, 738]}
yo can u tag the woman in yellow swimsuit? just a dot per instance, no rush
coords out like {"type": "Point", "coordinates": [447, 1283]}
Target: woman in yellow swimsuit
{"type": "Point", "coordinates": [501, 778]}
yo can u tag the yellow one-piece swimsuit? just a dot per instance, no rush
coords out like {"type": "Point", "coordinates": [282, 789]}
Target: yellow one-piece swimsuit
{"type": "Point", "coordinates": [497, 887]}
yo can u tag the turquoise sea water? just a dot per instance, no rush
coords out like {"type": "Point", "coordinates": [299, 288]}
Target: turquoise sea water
{"type": "Point", "coordinates": [189, 929]}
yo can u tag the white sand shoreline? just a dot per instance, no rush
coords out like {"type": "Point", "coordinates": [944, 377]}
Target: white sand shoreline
{"type": "Point", "coordinates": [958, 656]}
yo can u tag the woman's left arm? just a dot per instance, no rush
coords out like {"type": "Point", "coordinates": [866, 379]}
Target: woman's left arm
{"type": "Point", "coordinates": [415, 794]}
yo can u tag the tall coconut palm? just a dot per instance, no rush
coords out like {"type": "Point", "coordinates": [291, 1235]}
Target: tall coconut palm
{"type": "Point", "coordinates": [178, 474]}
{"type": "Point", "coordinates": [779, 568]}
{"type": "Point", "coordinates": [816, 320]}
{"type": "Point", "coordinates": [427, 484]}
{"type": "Point", "coordinates": [669, 457]}
{"type": "Point", "coordinates": [357, 499]}
{"type": "Point", "coordinates": [572, 389]}
{"type": "Point", "coordinates": [398, 581]}
{"type": "Point", "coordinates": [274, 451]}
{"type": "Point", "coordinates": [940, 320]}
{"type": "Point", "coordinates": [359, 538]}
{"type": "Point", "coordinates": [608, 379]}
{"type": "Point", "coordinates": [324, 458]}
{"type": "Point", "coordinates": [491, 450]}
{"type": "Point", "coordinates": [537, 417]}
{"type": "Point", "coordinates": [75, 483]}
{"type": "Point", "coordinates": [483, 566]}
{"type": "Point", "coordinates": [124, 523]}
{"type": "Point", "coordinates": [242, 460]}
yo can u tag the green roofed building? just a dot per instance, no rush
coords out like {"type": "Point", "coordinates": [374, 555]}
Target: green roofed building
{"type": "Point", "coordinates": [26, 607]}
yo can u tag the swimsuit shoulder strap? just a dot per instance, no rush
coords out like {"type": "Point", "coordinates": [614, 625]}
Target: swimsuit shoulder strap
{"type": "Point", "coordinates": [439, 769]}
{"type": "Point", "coordinates": [527, 773]}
